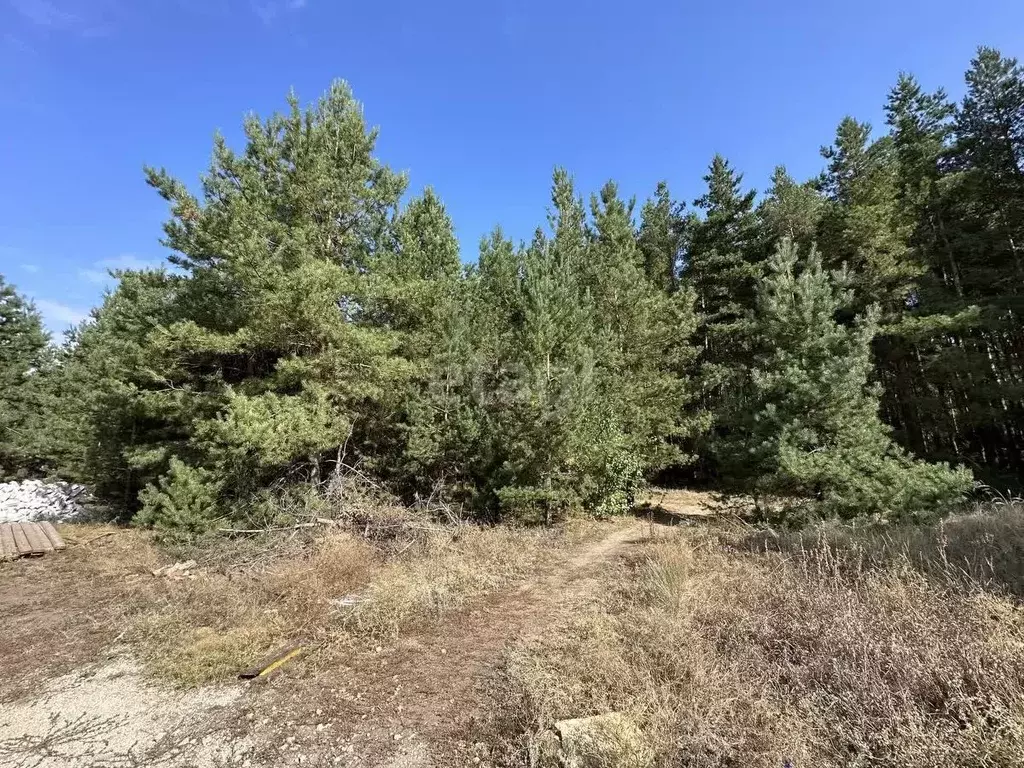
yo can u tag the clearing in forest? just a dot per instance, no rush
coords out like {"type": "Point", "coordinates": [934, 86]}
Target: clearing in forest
{"type": "Point", "coordinates": [420, 693]}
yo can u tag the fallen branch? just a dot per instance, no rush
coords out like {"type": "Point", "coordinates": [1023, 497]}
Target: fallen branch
{"type": "Point", "coordinates": [95, 538]}
{"type": "Point", "coordinates": [268, 530]}
{"type": "Point", "coordinates": [399, 526]}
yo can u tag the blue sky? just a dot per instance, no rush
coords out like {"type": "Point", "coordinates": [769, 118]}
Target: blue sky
{"type": "Point", "coordinates": [479, 98]}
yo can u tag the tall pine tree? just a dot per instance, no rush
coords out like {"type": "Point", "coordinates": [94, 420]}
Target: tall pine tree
{"type": "Point", "coordinates": [983, 203]}
{"type": "Point", "coordinates": [24, 353]}
{"type": "Point", "coordinates": [661, 238]}
{"type": "Point", "coordinates": [862, 225]}
{"type": "Point", "coordinates": [721, 265]}
{"type": "Point", "coordinates": [813, 434]}
{"type": "Point", "coordinates": [267, 351]}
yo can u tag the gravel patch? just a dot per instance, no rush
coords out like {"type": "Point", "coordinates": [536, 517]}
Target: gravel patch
{"type": "Point", "coordinates": [113, 716]}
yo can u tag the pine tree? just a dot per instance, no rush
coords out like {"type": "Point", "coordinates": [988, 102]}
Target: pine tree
{"type": "Point", "coordinates": [861, 224]}
{"type": "Point", "coordinates": [114, 423]}
{"type": "Point", "coordinates": [814, 430]}
{"type": "Point", "coordinates": [550, 394]}
{"type": "Point", "coordinates": [580, 361]}
{"type": "Point", "coordinates": [983, 217]}
{"type": "Point", "coordinates": [722, 262]}
{"type": "Point", "coordinates": [268, 351]}
{"type": "Point", "coordinates": [647, 350]}
{"type": "Point", "coordinates": [920, 125]}
{"type": "Point", "coordinates": [437, 421]}
{"type": "Point", "coordinates": [789, 210]}
{"type": "Point", "coordinates": [660, 238]}
{"type": "Point", "coordinates": [988, 153]}
{"type": "Point", "coordinates": [915, 394]}
{"type": "Point", "coordinates": [721, 265]}
{"type": "Point", "coordinates": [24, 354]}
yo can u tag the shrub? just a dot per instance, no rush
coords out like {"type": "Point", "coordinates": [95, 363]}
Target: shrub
{"type": "Point", "coordinates": [181, 503]}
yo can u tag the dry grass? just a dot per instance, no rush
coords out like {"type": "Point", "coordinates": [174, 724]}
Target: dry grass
{"type": "Point", "coordinates": [447, 571]}
{"type": "Point", "coordinates": [984, 548]}
{"type": "Point", "coordinates": [208, 627]}
{"type": "Point", "coordinates": [211, 626]}
{"type": "Point", "coordinates": [64, 608]}
{"type": "Point", "coordinates": [812, 655]}
{"type": "Point", "coordinates": [250, 595]}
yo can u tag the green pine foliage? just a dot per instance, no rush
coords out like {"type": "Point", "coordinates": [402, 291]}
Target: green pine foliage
{"type": "Point", "coordinates": [278, 355]}
{"type": "Point", "coordinates": [580, 373]}
{"type": "Point", "coordinates": [435, 422]}
{"type": "Point", "coordinates": [722, 262]}
{"type": "Point", "coordinates": [814, 438]}
{"type": "Point", "coordinates": [182, 502]}
{"type": "Point", "coordinates": [558, 376]}
{"type": "Point", "coordinates": [789, 210]}
{"type": "Point", "coordinates": [981, 265]}
{"type": "Point", "coordinates": [312, 316]}
{"type": "Point", "coordinates": [862, 225]}
{"type": "Point", "coordinates": [661, 237]}
{"type": "Point", "coordinates": [723, 265]}
{"type": "Point", "coordinates": [25, 355]}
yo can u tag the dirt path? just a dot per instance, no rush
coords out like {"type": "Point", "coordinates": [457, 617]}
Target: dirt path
{"type": "Point", "coordinates": [421, 702]}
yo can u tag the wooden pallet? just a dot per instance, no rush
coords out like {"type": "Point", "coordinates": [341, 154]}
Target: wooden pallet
{"type": "Point", "coordinates": [28, 540]}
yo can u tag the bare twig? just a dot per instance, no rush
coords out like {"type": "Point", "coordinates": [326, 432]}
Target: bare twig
{"type": "Point", "coordinates": [268, 530]}
{"type": "Point", "coordinates": [95, 538]}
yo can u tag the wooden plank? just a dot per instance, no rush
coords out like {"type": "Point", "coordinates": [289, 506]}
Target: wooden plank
{"type": "Point", "coordinates": [40, 544]}
{"type": "Point", "coordinates": [32, 534]}
{"type": "Point", "coordinates": [8, 549]}
{"type": "Point", "coordinates": [20, 541]}
{"type": "Point", "coordinates": [51, 533]}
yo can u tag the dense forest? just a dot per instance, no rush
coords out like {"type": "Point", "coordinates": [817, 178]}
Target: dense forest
{"type": "Point", "coordinates": [851, 344]}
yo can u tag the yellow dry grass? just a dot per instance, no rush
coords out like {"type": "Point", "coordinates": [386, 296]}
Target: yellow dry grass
{"type": "Point", "coordinates": [448, 570]}
{"type": "Point", "coordinates": [210, 626]}
{"type": "Point", "coordinates": [250, 595]}
{"type": "Point", "coordinates": [733, 657]}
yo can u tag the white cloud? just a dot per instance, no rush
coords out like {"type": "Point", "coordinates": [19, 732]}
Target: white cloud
{"type": "Point", "coordinates": [45, 14]}
{"type": "Point", "coordinates": [33, 268]}
{"type": "Point", "coordinates": [99, 272]}
{"type": "Point", "coordinates": [16, 47]}
{"type": "Point", "coordinates": [59, 317]}
{"type": "Point", "coordinates": [268, 10]}
{"type": "Point", "coordinates": [51, 17]}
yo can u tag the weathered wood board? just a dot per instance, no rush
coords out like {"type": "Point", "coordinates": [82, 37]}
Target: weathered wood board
{"type": "Point", "coordinates": [28, 539]}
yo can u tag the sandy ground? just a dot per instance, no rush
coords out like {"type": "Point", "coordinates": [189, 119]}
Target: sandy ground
{"type": "Point", "coordinates": [112, 716]}
{"type": "Point", "coordinates": [419, 703]}
{"type": "Point", "coordinates": [683, 503]}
